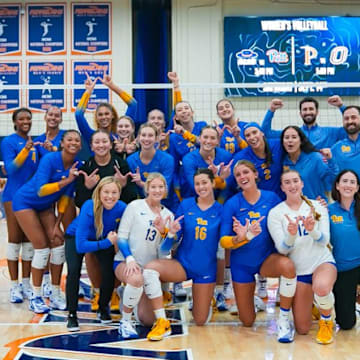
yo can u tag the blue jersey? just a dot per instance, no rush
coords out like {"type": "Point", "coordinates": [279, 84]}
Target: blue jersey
{"type": "Point", "coordinates": [20, 164]}
{"type": "Point", "coordinates": [34, 194]}
{"type": "Point", "coordinates": [320, 136]}
{"type": "Point", "coordinates": [228, 142]}
{"type": "Point", "coordinates": [194, 161]}
{"type": "Point", "coordinates": [269, 176]}
{"type": "Point", "coordinates": [55, 143]}
{"type": "Point", "coordinates": [315, 173]}
{"type": "Point", "coordinates": [260, 247]}
{"type": "Point", "coordinates": [344, 237]}
{"type": "Point", "coordinates": [199, 236]}
{"type": "Point", "coordinates": [346, 154]}
{"type": "Point", "coordinates": [85, 231]}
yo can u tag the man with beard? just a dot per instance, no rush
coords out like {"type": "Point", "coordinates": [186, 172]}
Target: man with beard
{"type": "Point", "coordinates": [320, 136]}
{"type": "Point", "coordinates": [346, 152]}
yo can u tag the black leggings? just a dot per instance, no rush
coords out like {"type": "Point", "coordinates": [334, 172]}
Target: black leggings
{"type": "Point", "coordinates": [74, 263]}
{"type": "Point", "coordinates": [345, 297]}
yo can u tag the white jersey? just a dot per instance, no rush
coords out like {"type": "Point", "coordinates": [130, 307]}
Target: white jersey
{"type": "Point", "coordinates": [306, 250]}
{"type": "Point", "coordinates": [136, 226]}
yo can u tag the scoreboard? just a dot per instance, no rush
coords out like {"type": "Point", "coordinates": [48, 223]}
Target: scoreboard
{"type": "Point", "coordinates": [321, 50]}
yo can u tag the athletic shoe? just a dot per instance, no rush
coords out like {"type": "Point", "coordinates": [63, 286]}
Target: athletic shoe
{"type": "Point", "coordinates": [127, 330]}
{"type": "Point", "coordinates": [114, 302]}
{"type": "Point", "coordinates": [57, 301]}
{"type": "Point", "coordinates": [233, 310]}
{"type": "Point", "coordinates": [160, 329]}
{"type": "Point", "coordinates": [167, 298]}
{"type": "Point", "coordinates": [285, 331]}
{"type": "Point", "coordinates": [259, 304]}
{"type": "Point", "coordinates": [262, 290]}
{"type": "Point", "coordinates": [16, 296]}
{"type": "Point", "coordinates": [104, 317]}
{"type": "Point", "coordinates": [228, 291]}
{"type": "Point", "coordinates": [221, 302]}
{"type": "Point", "coordinates": [46, 289]}
{"type": "Point", "coordinates": [95, 302]}
{"type": "Point", "coordinates": [26, 291]}
{"type": "Point", "coordinates": [325, 332]}
{"type": "Point", "coordinates": [179, 291]}
{"type": "Point", "coordinates": [38, 306]}
{"type": "Point", "coordinates": [72, 323]}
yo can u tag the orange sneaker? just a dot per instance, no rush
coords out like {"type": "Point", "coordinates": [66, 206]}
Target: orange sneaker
{"type": "Point", "coordinates": [160, 329]}
{"type": "Point", "coordinates": [325, 332]}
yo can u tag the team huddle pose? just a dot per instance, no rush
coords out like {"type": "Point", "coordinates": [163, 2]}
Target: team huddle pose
{"type": "Point", "coordinates": [160, 201]}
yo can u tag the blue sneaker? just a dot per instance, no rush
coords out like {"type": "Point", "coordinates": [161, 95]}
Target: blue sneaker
{"type": "Point", "coordinates": [26, 291]}
{"type": "Point", "coordinates": [38, 306]}
{"type": "Point", "coordinates": [221, 302]}
{"type": "Point", "coordinates": [285, 330]}
{"type": "Point", "coordinates": [16, 296]}
{"type": "Point", "coordinates": [46, 289]}
{"type": "Point", "coordinates": [127, 330]}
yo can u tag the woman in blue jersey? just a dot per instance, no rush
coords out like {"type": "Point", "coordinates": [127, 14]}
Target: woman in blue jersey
{"type": "Point", "coordinates": [20, 162]}
{"type": "Point", "coordinates": [197, 228]}
{"type": "Point", "coordinates": [345, 239]}
{"type": "Point", "coordinates": [265, 154]}
{"type": "Point", "coordinates": [105, 114]}
{"type": "Point", "coordinates": [208, 155]}
{"type": "Point", "coordinates": [301, 156]}
{"type": "Point", "coordinates": [244, 231]}
{"type": "Point", "coordinates": [231, 131]}
{"type": "Point", "coordinates": [94, 230]}
{"type": "Point", "coordinates": [33, 205]}
{"type": "Point", "coordinates": [149, 159]}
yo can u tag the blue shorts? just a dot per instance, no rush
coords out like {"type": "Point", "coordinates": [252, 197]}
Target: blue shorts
{"type": "Point", "coordinates": [203, 277]}
{"type": "Point", "coordinates": [307, 279]}
{"type": "Point", "coordinates": [244, 274]}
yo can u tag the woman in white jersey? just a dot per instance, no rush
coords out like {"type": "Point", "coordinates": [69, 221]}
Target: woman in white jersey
{"type": "Point", "coordinates": [300, 229]}
{"type": "Point", "coordinates": [139, 240]}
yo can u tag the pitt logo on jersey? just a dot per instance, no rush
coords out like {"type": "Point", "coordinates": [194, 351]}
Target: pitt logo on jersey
{"type": "Point", "coordinates": [229, 139]}
{"type": "Point", "coordinates": [254, 215]}
{"type": "Point", "coordinates": [201, 221]}
{"type": "Point", "coordinates": [337, 219]}
{"type": "Point", "coordinates": [146, 174]}
{"type": "Point", "coordinates": [345, 148]}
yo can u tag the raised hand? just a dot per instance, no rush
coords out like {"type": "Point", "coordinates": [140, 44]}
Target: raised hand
{"type": "Point", "coordinates": [107, 80]}
{"type": "Point", "coordinates": [239, 229]}
{"type": "Point", "coordinates": [118, 145]}
{"type": "Point", "coordinates": [309, 221]}
{"type": "Point", "coordinates": [90, 180]}
{"type": "Point", "coordinates": [335, 100]}
{"type": "Point", "coordinates": [29, 143]}
{"type": "Point", "coordinates": [136, 178]}
{"type": "Point", "coordinates": [276, 104]}
{"type": "Point", "coordinates": [160, 223]}
{"type": "Point", "coordinates": [225, 170]}
{"type": "Point", "coordinates": [174, 78]}
{"type": "Point", "coordinates": [130, 147]}
{"type": "Point", "coordinates": [90, 83]}
{"type": "Point", "coordinates": [326, 153]}
{"type": "Point", "coordinates": [219, 130]}
{"type": "Point", "coordinates": [122, 178]}
{"type": "Point", "coordinates": [292, 225]}
{"type": "Point", "coordinates": [73, 172]}
{"type": "Point", "coordinates": [175, 225]}
{"type": "Point", "coordinates": [212, 166]}
{"type": "Point", "coordinates": [255, 226]}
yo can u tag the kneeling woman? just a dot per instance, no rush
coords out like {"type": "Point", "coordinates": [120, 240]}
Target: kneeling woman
{"type": "Point", "coordinates": [300, 229]}
{"type": "Point", "coordinates": [199, 220]}
{"type": "Point", "coordinates": [94, 230]}
{"type": "Point", "coordinates": [244, 231]}
{"type": "Point", "coordinates": [139, 239]}
{"type": "Point", "coordinates": [33, 205]}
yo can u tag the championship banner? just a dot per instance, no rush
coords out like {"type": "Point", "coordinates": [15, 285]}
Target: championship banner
{"type": "Point", "coordinates": [10, 29]}
{"type": "Point", "coordinates": [91, 28]}
{"type": "Point", "coordinates": [320, 50]}
{"type": "Point", "coordinates": [46, 74]}
{"type": "Point", "coordinates": [9, 75]}
{"type": "Point", "coordinates": [46, 29]}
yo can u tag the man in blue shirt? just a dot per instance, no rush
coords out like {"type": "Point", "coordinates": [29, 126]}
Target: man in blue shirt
{"type": "Point", "coordinates": [320, 136]}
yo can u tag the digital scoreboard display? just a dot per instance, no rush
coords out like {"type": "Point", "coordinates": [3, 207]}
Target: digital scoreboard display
{"type": "Point", "coordinates": [321, 50]}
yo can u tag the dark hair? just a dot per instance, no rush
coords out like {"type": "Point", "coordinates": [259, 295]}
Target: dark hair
{"type": "Point", "coordinates": [305, 145]}
{"type": "Point", "coordinates": [335, 194]}
{"type": "Point", "coordinates": [183, 102]}
{"type": "Point", "coordinates": [224, 99]}
{"type": "Point", "coordinates": [17, 112]}
{"type": "Point", "coordinates": [268, 153]}
{"type": "Point", "coordinates": [113, 112]}
{"type": "Point", "coordinates": [309, 99]}
{"type": "Point", "coordinates": [52, 107]}
{"type": "Point", "coordinates": [65, 134]}
{"type": "Point", "coordinates": [352, 107]}
{"type": "Point", "coordinates": [100, 131]}
{"type": "Point", "coordinates": [205, 171]}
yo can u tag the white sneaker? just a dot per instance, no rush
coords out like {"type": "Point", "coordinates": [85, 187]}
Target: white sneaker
{"type": "Point", "coordinates": [127, 330]}
{"type": "Point", "coordinates": [37, 305]}
{"type": "Point", "coordinates": [57, 301]}
{"type": "Point", "coordinates": [259, 304]}
{"type": "Point", "coordinates": [16, 295]}
{"type": "Point", "coordinates": [228, 291]}
{"type": "Point", "coordinates": [262, 289]}
{"type": "Point", "coordinates": [27, 291]}
{"type": "Point", "coordinates": [285, 331]}
{"type": "Point", "coordinates": [233, 310]}
{"type": "Point", "coordinates": [46, 289]}
{"type": "Point", "coordinates": [179, 290]}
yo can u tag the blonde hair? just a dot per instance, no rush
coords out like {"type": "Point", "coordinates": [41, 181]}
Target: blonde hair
{"type": "Point", "coordinates": [98, 206]}
{"type": "Point", "coordinates": [317, 216]}
{"type": "Point", "coordinates": [152, 176]}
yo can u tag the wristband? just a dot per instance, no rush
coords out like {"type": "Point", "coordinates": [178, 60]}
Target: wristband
{"type": "Point", "coordinates": [129, 259]}
{"type": "Point", "coordinates": [249, 235]}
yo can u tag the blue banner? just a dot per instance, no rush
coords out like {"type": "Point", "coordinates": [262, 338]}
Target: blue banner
{"type": "Point", "coordinates": [276, 49]}
{"type": "Point", "coordinates": [10, 30]}
{"type": "Point", "coordinates": [94, 69]}
{"type": "Point", "coordinates": [46, 74]}
{"type": "Point", "coordinates": [91, 29]}
{"type": "Point", "coordinates": [9, 75]}
{"type": "Point", "coordinates": [46, 29]}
